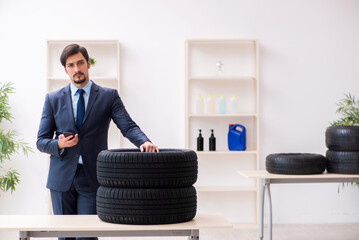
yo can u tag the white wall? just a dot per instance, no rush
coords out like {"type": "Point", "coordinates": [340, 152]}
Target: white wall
{"type": "Point", "coordinates": [308, 59]}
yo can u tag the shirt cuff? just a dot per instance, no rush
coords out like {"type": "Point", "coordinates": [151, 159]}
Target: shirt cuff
{"type": "Point", "coordinates": [61, 151]}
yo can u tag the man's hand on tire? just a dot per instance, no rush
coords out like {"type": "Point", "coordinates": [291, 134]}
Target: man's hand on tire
{"type": "Point", "coordinates": [149, 147]}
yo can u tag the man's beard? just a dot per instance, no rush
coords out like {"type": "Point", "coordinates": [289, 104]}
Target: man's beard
{"type": "Point", "coordinates": [80, 80]}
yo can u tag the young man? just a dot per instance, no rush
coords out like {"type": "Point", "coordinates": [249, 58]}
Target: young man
{"type": "Point", "coordinates": [84, 109]}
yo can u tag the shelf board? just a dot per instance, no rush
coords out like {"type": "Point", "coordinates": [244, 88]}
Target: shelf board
{"type": "Point", "coordinates": [93, 41]}
{"type": "Point", "coordinates": [100, 78]}
{"type": "Point", "coordinates": [210, 78]}
{"type": "Point", "coordinates": [226, 152]}
{"type": "Point", "coordinates": [221, 41]}
{"type": "Point", "coordinates": [226, 188]}
{"type": "Point", "coordinates": [223, 115]}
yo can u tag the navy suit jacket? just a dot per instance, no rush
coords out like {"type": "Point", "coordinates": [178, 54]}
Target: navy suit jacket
{"type": "Point", "coordinates": [57, 117]}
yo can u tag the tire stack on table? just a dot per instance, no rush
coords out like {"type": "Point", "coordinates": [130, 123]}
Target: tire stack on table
{"type": "Point", "coordinates": [343, 149]}
{"type": "Point", "coordinates": [147, 188]}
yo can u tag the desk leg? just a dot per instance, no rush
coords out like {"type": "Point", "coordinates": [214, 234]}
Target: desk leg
{"type": "Point", "coordinates": [261, 209]}
{"type": "Point", "coordinates": [270, 217]}
{"type": "Point", "coordinates": [24, 235]}
{"type": "Point", "coordinates": [194, 235]}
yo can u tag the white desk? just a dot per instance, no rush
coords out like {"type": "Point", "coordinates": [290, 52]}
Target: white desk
{"type": "Point", "coordinates": [91, 226]}
{"type": "Point", "coordinates": [268, 178]}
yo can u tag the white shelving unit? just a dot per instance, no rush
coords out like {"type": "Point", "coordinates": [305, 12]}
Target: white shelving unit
{"type": "Point", "coordinates": [105, 73]}
{"type": "Point", "coordinates": [218, 181]}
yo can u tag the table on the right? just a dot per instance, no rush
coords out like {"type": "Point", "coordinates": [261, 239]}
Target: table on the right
{"type": "Point", "coordinates": [267, 178]}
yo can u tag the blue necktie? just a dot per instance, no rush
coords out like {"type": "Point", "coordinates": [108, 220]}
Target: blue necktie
{"type": "Point", "coordinates": [80, 110]}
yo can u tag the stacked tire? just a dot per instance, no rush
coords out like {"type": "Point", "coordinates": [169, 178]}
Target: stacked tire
{"type": "Point", "coordinates": [147, 188]}
{"type": "Point", "coordinates": [343, 149]}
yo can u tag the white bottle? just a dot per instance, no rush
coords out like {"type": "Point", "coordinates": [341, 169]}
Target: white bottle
{"type": "Point", "coordinates": [211, 106]}
{"type": "Point", "coordinates": [233, 108]}
{"type": "Point", "coordinates": [199, 104]}
{"type": "Point", "coordinates": [222, 107]}
{"type": "Point", "coordinates": [219, 65]}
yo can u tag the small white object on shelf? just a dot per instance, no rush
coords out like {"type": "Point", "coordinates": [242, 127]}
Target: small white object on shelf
{"type": "Point", "coordinates": [211, 105]}
{"type": "Point", "coordinates": [233, 107]}
{"type": "Point", "coordinates": [222, 107]}
{"type": "Point", "coordinates": [199, 104]}
{"type": "Point", "coordinates": [219, 65]}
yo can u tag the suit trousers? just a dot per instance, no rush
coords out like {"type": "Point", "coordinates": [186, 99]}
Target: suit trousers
{"type": "Point", "coordinates": [80, 199]}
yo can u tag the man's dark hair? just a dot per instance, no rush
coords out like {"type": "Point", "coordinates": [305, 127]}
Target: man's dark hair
{"type": "Point", "coordinates": [72, 49]}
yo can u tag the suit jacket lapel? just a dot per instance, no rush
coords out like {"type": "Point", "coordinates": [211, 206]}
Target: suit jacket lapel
{"type": "Point", "coordinates": [92, 99]}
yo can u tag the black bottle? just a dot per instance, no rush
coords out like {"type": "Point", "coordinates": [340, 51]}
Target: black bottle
{"type": "Point", "coordinates": [200, 141]}
{"type": "Point", "coordinates": [212, 142]}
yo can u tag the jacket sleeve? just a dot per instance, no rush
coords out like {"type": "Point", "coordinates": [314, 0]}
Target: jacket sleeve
{"type": "Point", "coordinates": [45, 142]}
{"type": "Point", "coordinates": [122, 119]}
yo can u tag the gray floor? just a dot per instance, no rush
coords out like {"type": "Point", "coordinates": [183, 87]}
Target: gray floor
{"type": "Point", "coordinates": [291, 232]}
{"type": "Point", "coordinates": [348, 231]}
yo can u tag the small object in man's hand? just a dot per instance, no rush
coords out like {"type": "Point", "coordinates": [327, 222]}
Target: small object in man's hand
{"type": "Point", "coordinates": [66, 134]}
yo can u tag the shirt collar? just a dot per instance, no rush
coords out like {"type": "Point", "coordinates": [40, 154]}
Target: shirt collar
{"type": "Point", "coordinates": [86, 88]}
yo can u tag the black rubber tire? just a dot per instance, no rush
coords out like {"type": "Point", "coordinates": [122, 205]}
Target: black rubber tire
{"type": "Point", "coordinates": [344, 162]}
{"type": "Point", "coordinates": [295, 163]}
{"type": "Point", "coordinates": [146, 206]}
{"type": "Point", "coordinates": [130, 168]}
{"type": "Point", "coordinates": [342, 138]}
